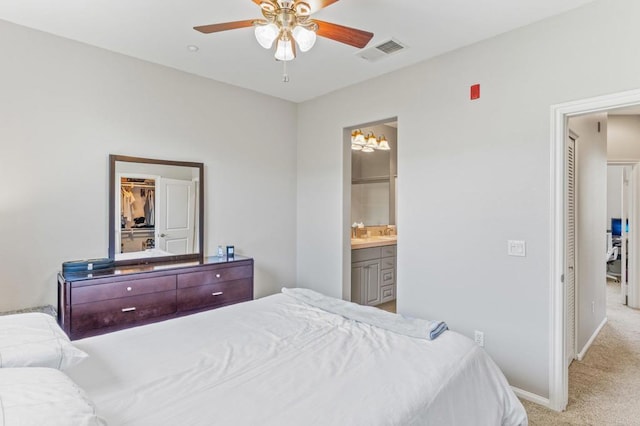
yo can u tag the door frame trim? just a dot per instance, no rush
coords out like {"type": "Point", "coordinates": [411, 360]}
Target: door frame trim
{"type": "Point", "coordinates": [624, 282]}
{"type": "Point", "coordinates": [559, 114]}
{"type": "Point", "coordinates": [633, 252]}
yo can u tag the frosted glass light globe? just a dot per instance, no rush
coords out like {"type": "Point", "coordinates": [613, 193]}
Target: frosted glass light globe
{"type": "Point", "coordinates": [304, 37]}
{"type": "Point", "coordinates": [266, 34]}
{"type": "Point", "coordinates": [284, 50]}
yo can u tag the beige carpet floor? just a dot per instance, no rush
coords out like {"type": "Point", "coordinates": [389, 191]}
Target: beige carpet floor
{"type": "Point", "coordinates": [604, 388]}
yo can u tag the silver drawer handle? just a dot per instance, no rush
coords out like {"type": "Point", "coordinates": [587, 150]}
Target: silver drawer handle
{"type": "Point", "coordinates": [129, 309]}
{"type": "Point", "coordinates": [129, 289]}
{"type": "Point", "coordinates": [217, 275]}
{"type": "Point", "coordinates": [217, 293]}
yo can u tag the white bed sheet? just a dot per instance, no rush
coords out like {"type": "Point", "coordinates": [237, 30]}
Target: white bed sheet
{"type": "Point", "coordinates": [278, 361]}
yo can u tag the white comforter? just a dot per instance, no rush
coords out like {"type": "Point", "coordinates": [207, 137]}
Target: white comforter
{"type": "Point", "coordinates": [278, 361]}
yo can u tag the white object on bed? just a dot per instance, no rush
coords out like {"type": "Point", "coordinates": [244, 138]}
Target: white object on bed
{"type": "Point", "coordinates": [43, 397]}
{"type": "Point", "coordinates": [412, 327]}
{"type": "Point", "coordinates": [35, 340]}
{"type": "Point", "coordinates": [277, 361]}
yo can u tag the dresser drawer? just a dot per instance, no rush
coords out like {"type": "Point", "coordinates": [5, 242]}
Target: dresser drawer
{"type": "Point", "coordinates": [212, 295]}
{"type": "Point", "coordinates": [95, 293]}
{"type": "Point", "coordinates": [359, 255]}
{"type": "Point", "coordinates": [388, 251]}
{"type": "Point", "coordinates": [214, 276]}
{"type": "Point", "coordinates": [387, 276]}
{"type": "Point", "coordinates": [125, 310]}
{"type": "Point", "coordinates": [388, 262]}
{"type": "Point", "coordinates": [387, 293]}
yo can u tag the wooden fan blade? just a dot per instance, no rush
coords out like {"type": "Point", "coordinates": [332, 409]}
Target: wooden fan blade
{"type": "Point", "coordinates": [273, 2]}
{"type": "Point", "coordinates": [319, 4]}
{"type": "Point", "coordinates": [315, 5]}
{"type": "Point", "coordinates": [214, 28]}
{"type": "Point", "coordinates": [346, 35]}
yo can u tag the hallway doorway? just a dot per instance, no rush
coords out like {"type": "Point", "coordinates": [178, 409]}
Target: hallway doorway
{"type": "Point", "coordinates": [594, 314]}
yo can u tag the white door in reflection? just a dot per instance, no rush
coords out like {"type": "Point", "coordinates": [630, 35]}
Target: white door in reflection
{"type": "Point", "coordinates": [175, 218]}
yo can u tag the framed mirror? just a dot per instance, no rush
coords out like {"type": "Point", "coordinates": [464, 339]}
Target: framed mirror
{"type": "Point", "coordinates": [156, 210]}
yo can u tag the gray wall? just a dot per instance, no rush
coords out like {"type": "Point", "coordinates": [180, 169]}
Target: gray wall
{"type": "Point", "coordinates": [614, 193]}
{"type": "Point", "coordinates": [66, 106]}
{"type": "Point", "coordinates": [624, 138]}
{"type": "Point", "coordinates": [473, 174]}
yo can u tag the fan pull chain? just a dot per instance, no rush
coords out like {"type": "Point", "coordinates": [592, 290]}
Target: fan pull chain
{"type": "Point", "coordinates": [285, 76]}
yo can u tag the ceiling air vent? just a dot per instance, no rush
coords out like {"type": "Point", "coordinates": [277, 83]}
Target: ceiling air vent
{"type": "Point", "coordinates": [382, 50]}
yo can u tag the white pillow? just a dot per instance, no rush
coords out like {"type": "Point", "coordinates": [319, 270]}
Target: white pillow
{"type": "Point", "coordinates": [43, 397]}
{"type": "Point", "coordinates": [35, 340]}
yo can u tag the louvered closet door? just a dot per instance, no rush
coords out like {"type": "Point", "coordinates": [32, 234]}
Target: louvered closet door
{"type": "Point", "coordinates": [570, 277]}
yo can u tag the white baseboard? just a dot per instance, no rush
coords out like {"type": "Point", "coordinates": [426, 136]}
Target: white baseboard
{"type": "Point", "coordinates": [584, 350]}
{"type": "Point", "coordinates": [531, 397]}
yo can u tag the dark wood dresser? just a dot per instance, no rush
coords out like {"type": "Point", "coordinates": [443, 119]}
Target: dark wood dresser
{"type": "Point", "coordinates": [98, 302]}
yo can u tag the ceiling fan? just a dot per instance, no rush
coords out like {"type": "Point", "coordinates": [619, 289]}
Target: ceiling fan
{"type": "Point", "coordinates": [289, 23]}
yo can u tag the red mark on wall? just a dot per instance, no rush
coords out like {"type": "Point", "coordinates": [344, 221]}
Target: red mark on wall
{"type": "Point", "coordinates": [475, 91]}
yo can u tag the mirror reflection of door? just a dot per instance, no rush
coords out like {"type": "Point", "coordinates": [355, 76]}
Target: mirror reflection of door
{"type": "Point", "coordinates": [176, 228]}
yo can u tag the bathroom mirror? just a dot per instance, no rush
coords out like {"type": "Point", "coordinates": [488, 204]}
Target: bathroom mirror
{"type": "Point", "coordinates": [156, 210]}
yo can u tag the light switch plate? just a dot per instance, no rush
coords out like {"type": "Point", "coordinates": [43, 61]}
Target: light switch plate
{"type": "Point", "coordinates": [516, 248]}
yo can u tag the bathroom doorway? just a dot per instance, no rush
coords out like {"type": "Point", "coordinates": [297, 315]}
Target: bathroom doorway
{"type": "Point", "coordinates": [373, 231]}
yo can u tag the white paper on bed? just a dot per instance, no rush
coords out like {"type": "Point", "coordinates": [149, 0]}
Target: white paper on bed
{"type": "Point", "coordinates": [277, 361]}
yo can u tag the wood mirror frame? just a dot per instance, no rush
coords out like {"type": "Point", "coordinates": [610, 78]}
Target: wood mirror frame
{"type": "Point", "coordinates": [114, 188]}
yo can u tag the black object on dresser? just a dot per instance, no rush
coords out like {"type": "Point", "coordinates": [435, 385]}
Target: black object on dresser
{"type": "Point", "coordinates": [97, 302]}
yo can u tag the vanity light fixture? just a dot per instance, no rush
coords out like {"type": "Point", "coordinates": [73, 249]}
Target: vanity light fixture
{"type": "Point", "coordinates": [372, 142]}
{"type": "Point", "coordinates": [357, 138]}
{"type": "Point", "coordinates": [369, 143]}
{"type": "Point", "coordinates": [383, 145]}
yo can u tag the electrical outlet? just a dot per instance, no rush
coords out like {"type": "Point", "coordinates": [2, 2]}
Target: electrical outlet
{"type": "Point", "coordinates": [516, 248]}
{"type": "Point", "coordinates": [479, 338]}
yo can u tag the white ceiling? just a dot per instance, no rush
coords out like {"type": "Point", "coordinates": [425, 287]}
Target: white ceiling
{"type": "Point", "coordinates": [159, 31]}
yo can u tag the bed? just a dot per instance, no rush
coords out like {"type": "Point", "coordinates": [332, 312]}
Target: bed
{"type": "Point", "coordinates": [281, 361]}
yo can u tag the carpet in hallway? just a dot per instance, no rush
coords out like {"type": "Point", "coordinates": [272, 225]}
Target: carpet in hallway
{"type": "Point", "coordinates": [604, 388]}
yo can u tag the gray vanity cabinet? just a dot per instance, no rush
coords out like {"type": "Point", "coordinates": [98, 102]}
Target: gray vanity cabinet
{"type": "Point", "coordinates": [373, 275]}
{"type": "Point", "coordinates": [365, 282]}
{"type": "Point", "coordinates": [387, 273]}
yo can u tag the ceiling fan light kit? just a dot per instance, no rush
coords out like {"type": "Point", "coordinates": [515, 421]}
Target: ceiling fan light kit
{"type": "Point", "coordinates": [289, 23]}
